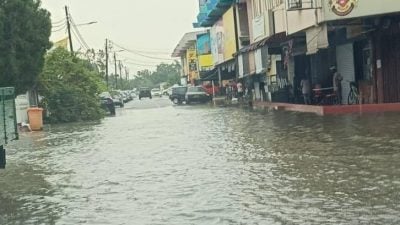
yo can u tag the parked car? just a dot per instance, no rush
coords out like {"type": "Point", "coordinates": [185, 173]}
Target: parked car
{"type": "Point", "coordinates": [118, 99]}
{"type": "Point", "coordinates": [144, 93]}
{"type": "Point", "coordinates": [197, 94]}
{"type": "Point", "coordinates": [107, 102]}
{"type": "Point", "coordinates": [167, 91]}
{"type": "Point", "coordinates": [156, 92]}
{"type": "Point", "coordinates": [178, 94]}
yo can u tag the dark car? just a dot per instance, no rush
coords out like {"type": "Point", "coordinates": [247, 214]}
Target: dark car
{"type": "Point", "coordinates": [107, 102]}
{"type": "Point", "coordinates": [178, 94]}
{"type": "Point", "coordinates": [144, 93]}
{"type": "Point", "coordinates": [197, 94]}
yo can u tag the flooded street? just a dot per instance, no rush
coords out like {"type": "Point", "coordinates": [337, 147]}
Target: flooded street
{"type": "Point", "coordinates": [155, 163]}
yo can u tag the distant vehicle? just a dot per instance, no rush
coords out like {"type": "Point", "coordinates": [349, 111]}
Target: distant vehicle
{"type": "Point", "coordinates": [197, 94]}
{"type": "Point", "coordinates": [107, 102]}
{"type": "Point", "coordinates": [144, 93]}
{"type": "Point", "coordinates": [178, 94]}
{"type": "Point", "coordinates": [156, 92]}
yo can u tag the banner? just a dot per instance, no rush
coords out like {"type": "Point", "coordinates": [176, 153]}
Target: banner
{"type": "Point", "coordinates": [192, 64]}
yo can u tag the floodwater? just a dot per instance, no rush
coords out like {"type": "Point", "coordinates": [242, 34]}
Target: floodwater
{"type": "Point", "coordinates": [159, 164]}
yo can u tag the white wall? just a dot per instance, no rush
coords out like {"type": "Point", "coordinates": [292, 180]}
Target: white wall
{"type": "Point", "coordinates": [280, 19]}
{"type": "Point", "coordinates": [298, 20]}
{"type": "Point", "coordinates": [22, 105]}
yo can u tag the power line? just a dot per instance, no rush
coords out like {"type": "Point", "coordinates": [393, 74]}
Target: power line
{"type": "Point", "coordinates": [137, 64]}
{"type": "Point", "coordinates": [59, 29]}
{"type": "Point", "coordinates": [60, 25]}
{"type": "Point", "coordinates": [60, 21]}
{"type": "Point", "coordinates": [79, 40]}
{"type": "Point", "coordinates": [140, 54]}
{"type": "Point", "coordinates": [136, 61]}
{"type": "Point", "coordinates": [76, 31]}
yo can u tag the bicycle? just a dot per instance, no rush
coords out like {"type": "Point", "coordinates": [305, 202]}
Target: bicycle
{"type": "Point", "coordinates": [353, 97]}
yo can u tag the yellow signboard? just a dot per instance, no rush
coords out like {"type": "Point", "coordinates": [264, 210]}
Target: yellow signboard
{"type": "Point", "coordinates": [192, 64]}
{"type": "Point", "coordinates": [230, 34]}
{"type": "Point", "coordinates": [205, 62]}
{"type": "Point", "coordinates": [63, 43]}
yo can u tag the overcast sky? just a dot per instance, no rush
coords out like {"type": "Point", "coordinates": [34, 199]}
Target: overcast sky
{"type": "Point", "coordinates": [143, 25]}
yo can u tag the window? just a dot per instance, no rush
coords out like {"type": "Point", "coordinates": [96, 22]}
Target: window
{"type": "Point", "coordinates": [294, 4]}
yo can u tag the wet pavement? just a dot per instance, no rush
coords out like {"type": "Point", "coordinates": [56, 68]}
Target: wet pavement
{"type": "Point", "coordinates": [155, 163]}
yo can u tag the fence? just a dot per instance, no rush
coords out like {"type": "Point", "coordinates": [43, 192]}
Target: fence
{"type": "Point", "coordinates": [8, 122]}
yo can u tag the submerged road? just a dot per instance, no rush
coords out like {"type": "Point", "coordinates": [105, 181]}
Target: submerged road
{"type": "Point", "coordinates": [155, 163]}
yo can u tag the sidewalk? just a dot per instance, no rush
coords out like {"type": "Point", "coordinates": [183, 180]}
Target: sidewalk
{"type": "Point", "coordinates": [330, 110]}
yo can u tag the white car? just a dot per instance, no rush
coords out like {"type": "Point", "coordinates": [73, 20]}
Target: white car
{"type": "Point", "coordinates": [155, 92]}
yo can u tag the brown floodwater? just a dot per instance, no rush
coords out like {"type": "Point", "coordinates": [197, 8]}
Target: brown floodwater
{"type": "Point", "coordinates": [160, 164]}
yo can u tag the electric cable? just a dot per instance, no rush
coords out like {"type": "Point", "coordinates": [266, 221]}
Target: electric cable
{"type": "Point", "coordinates": [59, 29]}
{"type": "Point", "coordinates": [79, 41]}
{"type": "Point", "coordinates": [78, 33]}
{"type": "Point", "coordinates": [60, 25]}
{"type": "Point", "coordinates": [59, 21]}
{"type": "Point", "coordinates": [139, 54]}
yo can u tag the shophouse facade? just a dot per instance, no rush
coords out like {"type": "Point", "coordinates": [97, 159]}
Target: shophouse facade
{"type": "Point", "coordinates": [271, 45]}
{"type": "Point", "coordinates": [220, 17]}
{"type": "Point", "coordinates": [192, 62]}
{"type": "Point", "coordinates": [360, 38]}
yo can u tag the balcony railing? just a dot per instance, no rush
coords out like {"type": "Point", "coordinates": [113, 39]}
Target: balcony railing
{"type": "Point", "coordinates": [301, 4]}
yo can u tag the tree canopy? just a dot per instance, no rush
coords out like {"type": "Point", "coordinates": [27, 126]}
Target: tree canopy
{"type": "Point", "coordinates": [25, 29]}
{"type": "Point", "coordinates": [70, 87]}
{"type": "Point", "coordinates": [165, 73]}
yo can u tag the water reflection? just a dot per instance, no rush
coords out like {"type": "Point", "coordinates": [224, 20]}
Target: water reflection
{"type": "Point", "coordinates": [196, 165]}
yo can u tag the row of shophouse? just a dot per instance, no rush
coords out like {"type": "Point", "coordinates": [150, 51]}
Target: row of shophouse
{"type": "Point", "coordinates": [270, 45]}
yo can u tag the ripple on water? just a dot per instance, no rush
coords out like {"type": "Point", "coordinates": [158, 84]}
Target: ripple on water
{"type": "Point", "coordinates": [200, 165]}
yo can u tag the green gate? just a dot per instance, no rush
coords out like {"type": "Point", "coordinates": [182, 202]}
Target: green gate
{"type": "Point", "coordinates": [8, 121]}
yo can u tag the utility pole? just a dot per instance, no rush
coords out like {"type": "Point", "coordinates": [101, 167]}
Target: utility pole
{"type": "Point", "coordinates": [107, 62]}
{"type": "Point", "coordinates": [120, 71]}
{"type": "Point", "coordinates": [69, 30]}
{"type": "Point", "coordinates": [126, 73]}
{"type": "Point", "coordinates": [115, 67]}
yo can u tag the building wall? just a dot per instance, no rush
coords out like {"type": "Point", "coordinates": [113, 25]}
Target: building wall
{"type": "Point", "coordinates": [298, 20]}
{"type": "Point", "coordinates": [261, 20]}
{"type": "Point", "coordinates": [243, 25]}
{"type": "Point", "coordinates": [250, 18]}
{"type": "Point", "coordinates": [279, 19]}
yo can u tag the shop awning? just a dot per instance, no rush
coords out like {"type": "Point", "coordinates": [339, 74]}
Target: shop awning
{"type": "Point", "coordinates": [209, 75]}
{"type": "Point", "coordinates": [227, 68]}
{"type": "Point", "coordinates": [273, 40]}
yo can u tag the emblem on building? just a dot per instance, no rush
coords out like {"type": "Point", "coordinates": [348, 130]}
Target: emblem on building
{"type": "Point", "coordinates": [342, 7]}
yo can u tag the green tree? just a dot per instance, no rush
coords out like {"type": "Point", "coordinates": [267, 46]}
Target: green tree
{"type": "Point", "coordinates": [25, 29]}
{"type": "Point", "coordinates": [169, 73]}
{"type": "Point", "coordinates": [70, 87]}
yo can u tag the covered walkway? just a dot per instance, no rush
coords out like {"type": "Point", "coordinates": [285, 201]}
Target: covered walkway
{"type": "Point", "coordinates": [331, 109]}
